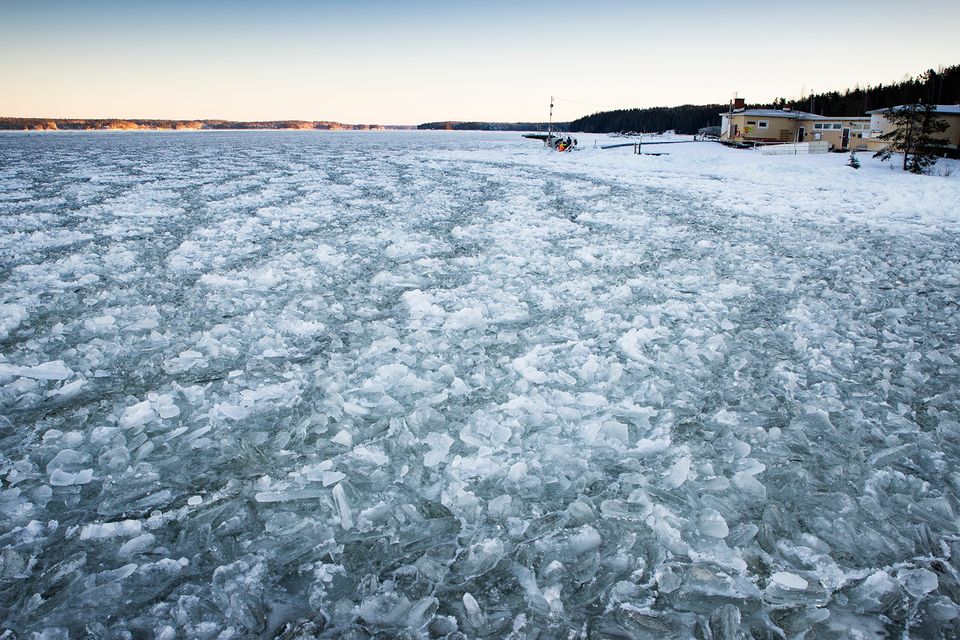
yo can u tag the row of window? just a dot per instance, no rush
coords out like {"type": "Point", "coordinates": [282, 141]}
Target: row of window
{"type": "Point", "coordinates": [818, 126]}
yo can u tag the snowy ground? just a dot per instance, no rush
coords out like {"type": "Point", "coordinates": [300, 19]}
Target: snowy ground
{"type": "Point", "coordinates": [405, 385]}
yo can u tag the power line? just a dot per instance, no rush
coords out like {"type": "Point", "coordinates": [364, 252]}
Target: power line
{"type": "Point", "coordinates": [588, 104]}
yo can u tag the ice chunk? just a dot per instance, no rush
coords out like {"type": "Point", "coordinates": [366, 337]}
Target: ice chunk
{"type": "Point", "coordinates": [288, 494]}
{"type": "Point", "coordinates": [474, 615]}
{"type": "Point", "coordinates": [481, 557]}
{"type": "Point", "coordinates": [11, 315]}
{"type": "Point", "coordinates": [370, 456]}
{"type": "Point", "coordinates": [725, 623]}
{"type": "Point", "coordinates": [886, 456]}
{"type": "Point", "coordinates": [123, 528]}
{"type": "Point", "coordinates": [943, 610]}
{"type": "Point", "coordinates": [789, 580]}
{"type": "Point", "coordinates": [100, 324]}
{"type": "Point", "coordinates": [678, 473]}
{"type": "Point", "coordinates": [875, 592]}
{"type": "Point", "coordinates": [343, 438]}
{"type": "Point", "coordinates": [668, 580]}
{"type": "Point", "coordinates": [712, 524]}
{"type": "Point", "coordinates": [68, 389]}
{"type": "Point", "coordinates": [633, 342]}
{"type": "Point", "coordinates": [386, 609]}
{"type": "Point", "coordinates": [60, 478]}
{"type": "Point", "coordinates": [68, 459]}
{"type": "Point", "coordinates": [315, 472]}
{"type": "Point", "coordinates": [137, 415]}
{"type": "Point", "coordinates": [233, 411]}
{"type": "Point", "coordinates": [53, 370]}
{"type": "Point", "coordinates": [584, 539]}
{"type": "Point", "coordinates": [918, 582]}
{"type": "Point", "coordinates": [517, 472]}
{"type": "Point", "coordinates": [749, 485]}
{"type": "Point", "coordinates": [136, 545]}
{"type": "Point", "coordinates": [343, 506]}
{"type": "Point", "coordinates": [422, 612]}
{"type": "Point", "coordinates": [440, 444]}
{"type": "Point", "coordinates": [332, 477]}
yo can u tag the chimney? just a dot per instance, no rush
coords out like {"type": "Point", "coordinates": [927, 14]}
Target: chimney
{"type": "Point", "coordinates": [739, 104]}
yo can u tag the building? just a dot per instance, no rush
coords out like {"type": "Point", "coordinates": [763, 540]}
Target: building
{"type": "Point", "coordinates": [880, 125]}
{"type": "Point", "coordinates": [771, 126]}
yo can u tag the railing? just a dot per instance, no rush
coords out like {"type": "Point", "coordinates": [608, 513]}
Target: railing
{"type": "Point", "coordinates": [800, 148]}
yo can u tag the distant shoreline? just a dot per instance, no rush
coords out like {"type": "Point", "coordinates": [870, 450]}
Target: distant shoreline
{"type": "Point", "coordinates": [12, 132]}
{"type": "Point", "coordinates": [159, 124]}
{"type": "Point", "coordinates": [159, 130]}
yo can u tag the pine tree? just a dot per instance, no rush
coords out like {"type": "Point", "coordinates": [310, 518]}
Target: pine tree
{"type": "Point", "coordinates": [853, 162]}
{"type": "Point", "coordinates": [930, 145]}
{"type": "Point", "coordinates": [915, 135]}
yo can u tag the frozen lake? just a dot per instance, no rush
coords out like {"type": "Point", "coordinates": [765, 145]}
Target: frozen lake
{"type": "Point", "coordinates": [449, 385]}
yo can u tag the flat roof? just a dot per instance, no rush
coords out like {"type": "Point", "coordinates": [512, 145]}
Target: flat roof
{"type": "Point", "coordinates": [774, 113]}
{"type": "Point", "coordinates": [792, 115]}
{"type": "Point", "coordinates": [952, 109]}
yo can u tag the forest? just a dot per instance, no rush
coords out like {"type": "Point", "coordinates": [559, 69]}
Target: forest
{"type": "Point", "coordinates": [935, 86]}
{"type": "Point", "coordinates": [455, 125]}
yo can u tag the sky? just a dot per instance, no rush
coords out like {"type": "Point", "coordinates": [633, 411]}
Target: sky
{"type": "Point", "coordinates": [373, 61]}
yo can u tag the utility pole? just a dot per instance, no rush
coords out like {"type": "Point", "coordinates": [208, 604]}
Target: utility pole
{"type": "Point", "coordinates": [550, 124]}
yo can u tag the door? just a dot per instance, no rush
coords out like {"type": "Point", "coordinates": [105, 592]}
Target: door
{"type": "Point", "coordinates": [845, 140]}
{"type": "Point", "coordinates": [800, 134]}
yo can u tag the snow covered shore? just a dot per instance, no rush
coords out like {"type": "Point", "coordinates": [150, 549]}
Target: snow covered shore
{"type": "Point", "coordinates": [421, 384]}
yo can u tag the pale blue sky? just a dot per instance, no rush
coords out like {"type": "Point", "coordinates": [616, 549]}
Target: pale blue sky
{"type": "Point", "coordinates": [402, 63]}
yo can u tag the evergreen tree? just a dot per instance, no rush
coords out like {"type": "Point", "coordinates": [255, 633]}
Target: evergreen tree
{"type": "Point", "coordinates": [915, 135]}
{"type": "Point", "coordinates": [853, 162]}
{"type": "Point", "coordinates": [939, 86]}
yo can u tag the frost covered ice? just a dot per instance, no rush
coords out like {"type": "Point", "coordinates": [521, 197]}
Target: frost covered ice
{"type": "Point", "coordinates": [346, 385]}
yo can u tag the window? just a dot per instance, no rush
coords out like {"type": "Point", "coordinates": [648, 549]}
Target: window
{"type": "Point", "coordinates": [836, 125]}
{"type": "Point", "coordinates": [818, 125]}
{"type": "Point", "coordinates": [762, 124]}
{"type": "Point", "coordinates": [753, 122]}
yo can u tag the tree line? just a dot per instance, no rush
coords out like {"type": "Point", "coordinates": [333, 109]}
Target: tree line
{"type": "Point", "coordinates": [935, 86]}
{"type": "Point", "coordinates": [687, 118]}
{"type": "Point", "coordinates": [455, 125]}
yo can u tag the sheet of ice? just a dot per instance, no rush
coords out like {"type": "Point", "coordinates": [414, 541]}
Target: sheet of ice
{"type": "Point", "coordinates": [448, 385]}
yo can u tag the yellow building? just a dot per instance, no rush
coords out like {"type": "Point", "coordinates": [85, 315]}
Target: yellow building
{"type": "Point", "coordinates": [846, 134]}
{"type": "Point", "coordinates": [880, 125]}
{"type": "Point", "coordinates": [762, 125]}
{"type": "Point", "coordinates": [771, 126]}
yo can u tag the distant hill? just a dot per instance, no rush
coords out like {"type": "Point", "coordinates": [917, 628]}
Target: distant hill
{"type": "Point", "coordinates": [91, 124]}
{"type": "Point", "coordinates": [455, 125]}
{"type": "Point", "coordinates": [941, 86]}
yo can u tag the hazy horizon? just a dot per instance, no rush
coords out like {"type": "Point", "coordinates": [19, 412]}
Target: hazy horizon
{"type": "Point", "coordinates": [372, 62]}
